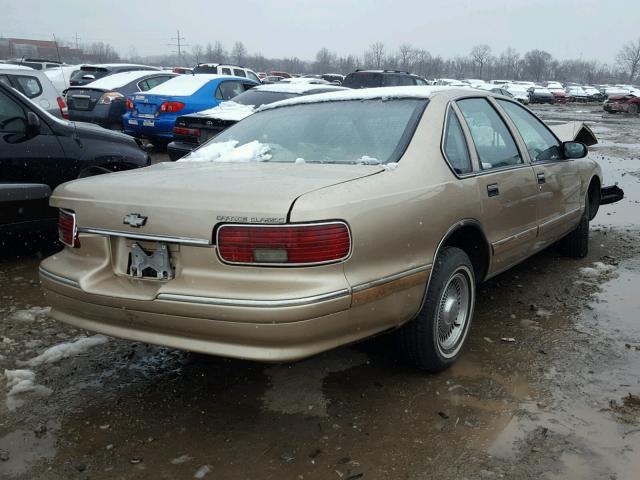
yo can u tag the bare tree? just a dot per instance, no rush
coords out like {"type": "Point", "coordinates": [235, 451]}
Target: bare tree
{"type": "Point", "coordinates": [376, 54]}
{"type": "Point", "coordinates": [325, 61]}
{"type": "Point", "coordinates": [239, 52]}
{"type": "Point", "coordinates": [197, 52]}
{"type": "Point", "coordinates": [509, 64]}
{"type": "Point", "coordinates": [406, 55]}
{"type": "Point", "coordinates": [480, 54]}
{"type": "Point", "coordinates": [537, 64]}
{"type": "Point", "coordinates": [629, 59]}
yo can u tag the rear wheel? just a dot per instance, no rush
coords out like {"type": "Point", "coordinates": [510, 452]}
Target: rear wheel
{"type": "Point", "coordinates": [576, 243]}
{"type": "Point", "coordinates": [433, 340]}
{"type": "Point", "coordinates": [633, 109]}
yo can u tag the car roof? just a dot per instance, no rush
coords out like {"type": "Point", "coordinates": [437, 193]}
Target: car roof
{"type": "Point", "coordinates": [185, 85]}
{"type": "Point", "coordinates": [420, 91]}
{"type": "Point", "coordinates": [298, 88]}
{"type": "Point", "coordinates": [121, 79]}
{"type": "Point", "coordinates": [13, 66]}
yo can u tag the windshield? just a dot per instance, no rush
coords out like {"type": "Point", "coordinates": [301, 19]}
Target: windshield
{"type": "Point", "coordinates": [258, 97]}
{"type": "Point", "coordinates": [372, 132]}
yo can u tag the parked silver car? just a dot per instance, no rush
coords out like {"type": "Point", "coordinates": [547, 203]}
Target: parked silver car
{"type": "Point", "coordinates": [37, 87]}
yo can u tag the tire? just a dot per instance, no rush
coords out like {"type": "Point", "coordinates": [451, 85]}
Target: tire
{"type": "Point", "coordinates": [433, 340]}
{"type": "Point", "coordinates": [576, 243]}
{"type": "Point", "coordinates": [633, 109]}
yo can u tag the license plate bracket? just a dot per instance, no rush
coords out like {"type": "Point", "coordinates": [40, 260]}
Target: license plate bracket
{"type": "Point", "coordinates": [156, 264]}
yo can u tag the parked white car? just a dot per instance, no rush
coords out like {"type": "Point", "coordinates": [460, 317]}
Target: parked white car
{"type": "Point", "coordinates": [518, 91]}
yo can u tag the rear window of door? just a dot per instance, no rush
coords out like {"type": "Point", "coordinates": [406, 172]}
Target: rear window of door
{"type": "Point", "coordinates": [397, 80]}
{"type": "Point", "coordinates": [239, 73]}
{"type": "Point", "coordinates": [28, 85]}
{"type": "Point", "coordinates": [541, 144]}
{"type": "Point", "coordinates": [226, 71]}
{"type": "Point", "coordinates": [455, 145]}
{"type": "Point", "coordinates": [495, 146]}
{"type": "Point", "coordinates": [228, 90]}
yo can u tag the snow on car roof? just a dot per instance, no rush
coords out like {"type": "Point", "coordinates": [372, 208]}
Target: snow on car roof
{"type": "Point", "coordinates": [363, 94]}
{"type": "Point", "coordinates": [185, 85]}
{"type": "Point", "coordinates": [12, 66]}
{"type": "Point", "coordinates": [118, 80]}
{"type": "Point", "coordinates": [115, 65]}
{"type": "Point", "coordinates": [298, 88]}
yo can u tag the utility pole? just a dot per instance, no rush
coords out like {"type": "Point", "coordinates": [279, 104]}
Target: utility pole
{"type": "Point", "coordinates": [77, 38]}
{"type": "Point", "coordinates": [179, 44]}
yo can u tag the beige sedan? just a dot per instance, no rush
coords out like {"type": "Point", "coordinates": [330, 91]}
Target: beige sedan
{"type": "Point", "coordinates": [323, 220]}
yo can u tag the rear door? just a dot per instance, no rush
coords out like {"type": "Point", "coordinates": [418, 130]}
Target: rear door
{"type": "Point", "coordinates": [506, 185]}
{"type": "Point", "coordinates": [559, 185]}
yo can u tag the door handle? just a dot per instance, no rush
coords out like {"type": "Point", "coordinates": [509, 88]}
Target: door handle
{"type": "Point", "coordinates": [541, 178]}
{"type": "Point", "coordinates": [493, 190]}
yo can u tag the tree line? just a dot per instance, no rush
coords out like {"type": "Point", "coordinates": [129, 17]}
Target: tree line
{"type": "Point", "coordinates": [480, 63]}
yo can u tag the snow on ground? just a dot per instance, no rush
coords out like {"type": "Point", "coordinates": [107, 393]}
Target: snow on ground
{"type": "Point", "coordinates": [598, 269]}
{"type": "Point", "coordinates": [30, 315]}
{"type": "Point", "coordinates": [230, 152]}
{"type": "Point", "coordinates": [65, 350]}
{"type": "Point", "coordinates": [202, 471]}
{"type": "Point", "coordinates": [20, 382]}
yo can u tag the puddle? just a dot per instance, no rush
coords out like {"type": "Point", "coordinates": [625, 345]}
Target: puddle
{"type": "Point", "coordinates": [26, 448]}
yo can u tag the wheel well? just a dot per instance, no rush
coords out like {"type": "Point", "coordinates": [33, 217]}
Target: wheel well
{"type": "Point", "coordinates": [471, 240]}
{"type": "Point", "coordinates": [593, 193]}
{"type": "Point", "coordinates": [92, 171]}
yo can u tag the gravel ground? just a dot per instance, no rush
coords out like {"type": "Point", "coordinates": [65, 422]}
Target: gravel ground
{"type": "Point", "coordinates": [559, 400]}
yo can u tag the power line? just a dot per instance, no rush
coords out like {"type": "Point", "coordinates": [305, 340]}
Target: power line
{"type": "Point", "coordinates": [179, 43]}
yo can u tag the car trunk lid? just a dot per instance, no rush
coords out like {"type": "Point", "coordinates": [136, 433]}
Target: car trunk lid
{"type": "Point", "coordinates": [189, 199]}
{"type": "Point", "coordinates": [84, 99]}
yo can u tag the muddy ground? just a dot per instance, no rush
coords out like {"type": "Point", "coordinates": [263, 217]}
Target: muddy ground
{"type": "Point", "coordinates": [556, 399]}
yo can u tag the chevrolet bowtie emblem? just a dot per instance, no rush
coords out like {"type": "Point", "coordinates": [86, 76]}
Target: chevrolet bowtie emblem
{"type": "Point", "coordinates": [135, 220]}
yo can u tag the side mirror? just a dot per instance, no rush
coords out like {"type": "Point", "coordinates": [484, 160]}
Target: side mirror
{"type": "Point", "coordinates": [33, 125]}
{"type": "Point", "coordinates": [574, 150]}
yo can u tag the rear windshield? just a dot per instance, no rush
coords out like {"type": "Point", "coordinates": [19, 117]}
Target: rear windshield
{"type": "Point", "coordinates": [206, 69]}
{"type": "Point", "coordinates": [363, 80]}
{"type": "Point", "coordinates": [95, 71]}
{"type": "Point", "coordinates": [346, 132]}
{"type": "Point", "coordinates": [257, 98]}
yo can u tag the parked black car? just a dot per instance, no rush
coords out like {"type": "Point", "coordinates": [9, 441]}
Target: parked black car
{"type": "Point", "coordinates": [191, 131]}
{"type": "Point", "coordinates": [90, 73]}
{"type": "Point", "coordinates": [38, 152]}
{"type": "Point", "coordinates": [104, 101]}
{"type": "Point", "coordinates": [541, 95]}
{"type": "Point", "coordinates": [381, 78]}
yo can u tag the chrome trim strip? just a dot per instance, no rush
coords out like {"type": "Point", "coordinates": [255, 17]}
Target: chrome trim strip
{"type": "Point", "coordinates": [515, 236]}
{"type": "Point", "coordinates": [390, 278]}
{"type": "Point", "coordinates": [239, 302]}
{"type": "Point", "coordinates": [280, 225]}
{"type": "Point", "coordinates": [560, 217]}
{"type": "Point", "coordinates": [196, 242]}
{"type": "Point", "coordinates": [58, 278]}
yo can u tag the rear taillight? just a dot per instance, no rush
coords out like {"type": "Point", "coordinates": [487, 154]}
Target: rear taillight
{"type": "Point", "coordinates": [309, 244]}
{"type": "Point", "coordinates": [110, 97]}
{"type": "Point", "coordinates": [63, 108]}
{"type": "Point", "coordinates": [68, 229]}
{"type": "Point", "coordinates": [130, 105]}
{"type": "Point", "coordinates": [171, 107]}
{"type": "Point", "coordinates": [192, 132]}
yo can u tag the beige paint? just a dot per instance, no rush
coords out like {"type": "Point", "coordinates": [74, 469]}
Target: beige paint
{"type": "Point", "coordinates": [397, 219]}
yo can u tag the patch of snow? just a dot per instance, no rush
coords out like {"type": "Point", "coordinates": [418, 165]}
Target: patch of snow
{"type": "Point", "coordinates": [183, 85]}
{"type": "Point", "coordinates": [202, 471]}
{"type": "Point", "coordinates": [541, 312]}
{"type": "Point", "coordinates": [367, 160]}
{"type": "Point", "coordinates": [20, 382]}
{"type": "Point", "coordinates": [228, 111]}
{"type": "Point", "coordinates": [598, 269]}
{"type": "Point", "coordinates": [300, 160]}
{"type": "Point", "coordinates": [181, 459]}
{"type": "Point", "coordinates": [65, 350]}
{"type": "Point", "coordinates": [30, 315]}
{"type": "Point", "coordinates": [298, 88]}
{"type": "Point", "coordinates": [390, 166]}
{"type": "Point", "coordinates": [230, 152]}
{"type": "Point", "coordinates": [384, 93]}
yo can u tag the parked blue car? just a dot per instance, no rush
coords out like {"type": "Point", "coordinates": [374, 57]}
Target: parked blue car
{"type": "Point", "coordinates": [152, 114]}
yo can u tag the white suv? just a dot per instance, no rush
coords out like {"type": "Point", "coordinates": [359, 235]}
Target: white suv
{"type": "Point", "coordinates": [225, 69]}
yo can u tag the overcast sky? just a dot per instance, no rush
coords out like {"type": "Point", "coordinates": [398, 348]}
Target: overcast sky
{"type": "Point", "coordinates": [591, 29]}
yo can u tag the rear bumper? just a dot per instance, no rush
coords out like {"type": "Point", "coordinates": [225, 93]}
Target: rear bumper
{"type": "Point", "coordinates": [103, 115]}
{"type": "Point", "coordinates": [301, 327]}
{"type": "Point", "coordinates": [162, 128]}
{"type": "Point", "coordinates": [177, 150]}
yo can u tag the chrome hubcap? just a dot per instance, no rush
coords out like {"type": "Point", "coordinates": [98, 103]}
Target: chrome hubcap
{"type": "Point", "coordinates": [453, 312]}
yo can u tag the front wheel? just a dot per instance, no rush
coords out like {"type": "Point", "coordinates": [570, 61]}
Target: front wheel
{"type": "Point", "coordinates": [576, 243]}
{"type": "Point", "coordinates": [433, 340]}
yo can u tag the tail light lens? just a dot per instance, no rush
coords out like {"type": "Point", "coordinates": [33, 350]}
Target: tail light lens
{"type": "Point", "coordinates": [310, 244]}
{"type": "Point", "coordinates": [68, 229]}
{"type": "Point", "coordinates": [191, 132]}
{"type": "Point", "coordinates": [110, 97]}
{"type": "Point", "coordinates": [171, 107]}
{"type": "Point", "coordinates": [130, 105]}
{"type": "Point", "coordinates": [63, 108]}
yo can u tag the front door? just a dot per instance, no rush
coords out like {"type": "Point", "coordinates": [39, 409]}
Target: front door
{"type": "Point", "coordinates": [559, 201]}
{"type": "Point", "coordinates": [506, 185]}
